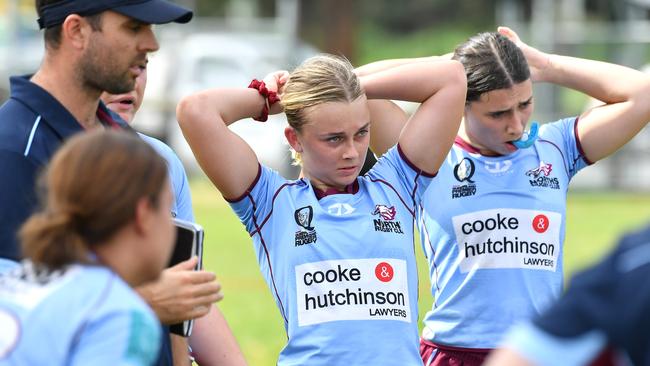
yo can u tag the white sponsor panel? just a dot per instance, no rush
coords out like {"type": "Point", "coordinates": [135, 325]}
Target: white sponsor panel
{"type": "Point", "coordinates": [508, 238]}
{"type": "Point", "coordinates": [355, 289]}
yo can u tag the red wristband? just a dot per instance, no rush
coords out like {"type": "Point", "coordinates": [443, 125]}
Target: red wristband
{"type": "Point", "coordinates": [270, 97]}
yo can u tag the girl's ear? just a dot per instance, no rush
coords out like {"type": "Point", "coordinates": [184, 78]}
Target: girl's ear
{"type": "Point", "coordinates": [292, 138]}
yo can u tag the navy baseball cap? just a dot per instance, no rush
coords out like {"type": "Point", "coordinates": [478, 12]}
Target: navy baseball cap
{"type": "Point", "coordinates": [146, 11]}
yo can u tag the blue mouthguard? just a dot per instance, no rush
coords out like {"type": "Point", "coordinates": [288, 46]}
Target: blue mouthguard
{"type": "Point", "coordinates": [528, 138]}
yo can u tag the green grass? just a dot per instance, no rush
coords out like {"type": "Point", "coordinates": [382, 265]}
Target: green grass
{"type": "Point", "coordinates": [594, 222]}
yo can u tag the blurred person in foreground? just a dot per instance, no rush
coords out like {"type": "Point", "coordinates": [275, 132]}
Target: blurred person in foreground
{"type": "Point", "coordinates": [607, 305]}
{"type": "Point", "coordinates": [189, 292]}
{"type": "Point", "coordinates": [103, 229]}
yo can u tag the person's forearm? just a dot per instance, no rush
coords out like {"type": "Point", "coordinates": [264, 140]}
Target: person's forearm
{"type": "Point", "coordinates": [606, 82]}
{"type": "Point", "coordinates": [228, 105]}
{"type": "Point", "coordinates": [382, 65]}
{"type": "Point", "coordinates": [180, 350]}
{"type": "Point", "coordinates": [413, 82]}
{"type": "Point", "coordinates": [213, 343]}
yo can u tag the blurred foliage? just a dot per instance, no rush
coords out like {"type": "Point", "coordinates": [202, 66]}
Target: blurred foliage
{"type": "Point", "coordinates": [377, 43]}
{"type": "Point", "coordinates": [413, 15]}
{"type": "Point", "coordinates": [356, 27]}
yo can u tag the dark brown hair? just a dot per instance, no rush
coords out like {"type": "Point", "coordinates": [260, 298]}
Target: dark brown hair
{"type": "Point", "coordinates": [92, 187]}
{"type": "Point", "coordinates": [52, 35]}
{"type": "Point", "coordinates": [491, 62]}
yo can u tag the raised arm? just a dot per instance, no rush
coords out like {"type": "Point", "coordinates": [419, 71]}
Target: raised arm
{"type": "Point", "coordinates": [388, 118]}
{"type": "Point", "coordinates": [603, 129]}
{"type": "Point", "coordinates": [225, 158]}
{"type": "Point", "coordinates": [440, 86]}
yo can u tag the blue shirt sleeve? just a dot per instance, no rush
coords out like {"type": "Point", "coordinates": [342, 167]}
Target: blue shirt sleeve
{"type": "Point", "coordinates": [257, 202]}
{"type": "Point", "coordinates": [562, 134]}
{"type": "Point", "coordinates": [17, 199]}
{"type": "Point", "coordinates": [182, 206]}
{"type": "Point", "coordinates": [118, 338]}
{"type": "Point", "coordinates": [394, 167]}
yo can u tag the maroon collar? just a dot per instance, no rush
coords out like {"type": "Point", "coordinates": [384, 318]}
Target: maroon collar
{"type": "Point", "coordinates": [350, 189]}
{"type": "Point", "coordinates": [471, 148]}
{"type": "Point", "coordinates": [466, 145]}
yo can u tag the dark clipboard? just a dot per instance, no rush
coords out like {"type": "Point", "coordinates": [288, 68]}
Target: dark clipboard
{"type": "Point", "coordinates": [189, 243]}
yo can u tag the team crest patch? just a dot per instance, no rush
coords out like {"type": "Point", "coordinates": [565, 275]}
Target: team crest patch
{"type": "Point", "coordinates": [307, 233]}
{"type": "Point", "coordinates": [386, 221]}
{"type": "Point", "coordinates": [540, 176]}
{"type": "Point", "coordinates": [463, 172]}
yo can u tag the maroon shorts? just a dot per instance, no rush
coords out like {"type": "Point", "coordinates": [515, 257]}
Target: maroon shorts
{"type": "Point", "coordinates": [436, 355]}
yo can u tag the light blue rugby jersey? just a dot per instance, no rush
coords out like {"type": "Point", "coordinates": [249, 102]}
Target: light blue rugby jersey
{"type": "Point", "coordinates": [84, 316]}
{"type": "Point", "coordinates": [182, 204]}
{"type": "Point", "coordinates": [342, 269]}
{"type": "Point", "coordinates": [493, 234]}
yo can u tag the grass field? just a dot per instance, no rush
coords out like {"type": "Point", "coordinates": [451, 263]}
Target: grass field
{"type": "Point", "coordinates": [594, 222]}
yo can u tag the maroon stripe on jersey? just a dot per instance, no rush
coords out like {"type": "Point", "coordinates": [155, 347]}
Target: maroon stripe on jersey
{"type": "Point", "coordinates": [578, 143]}
{"type": "Point", "coordinates": [435, 267]}
{"type": "Point", "coordinates": [466, 145]}
{"type": "Point", "coordinates": [249, 189]}
{"type": "Point", "coordinates": [351, 188]}
{"type": "Point", "coordinates": [413, 166]}
{"type": "Point", "coordinates": [258, 229]}
{"type": "Point", "coordinates": [107, 120]}
{"type": "Point", "coordinates": [566, 169]}
{"type": "Point", "coordinates": [268, 261]}
{"type": "Point", "coordinates": [397, 193]}
{"type": "Point", "coordinates": [275, 195]}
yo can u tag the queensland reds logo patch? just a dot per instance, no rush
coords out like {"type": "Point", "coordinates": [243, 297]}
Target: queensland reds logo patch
{"type": "Point", "coordinates": [385, 212]}
{"type": "Point", "coordinates": [464, 170]}
{"type": "Point", "coordinates": [304, 216]}
{"type": "Point", "coordinates": [307, 233]}
{"type": "Point", "coordinates": [540, 223]}
{"type": "Point", "coordinates": [384, 272]}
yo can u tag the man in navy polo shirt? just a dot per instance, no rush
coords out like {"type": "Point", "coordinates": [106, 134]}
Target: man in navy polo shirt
{"type": "Point", "coordinates": [90, 47]}
{"type": "Point", "coordinates": [606, 306]}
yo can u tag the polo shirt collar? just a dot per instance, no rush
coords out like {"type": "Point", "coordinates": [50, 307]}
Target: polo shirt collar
{"type": "Point", "coordinates": [52, 111]}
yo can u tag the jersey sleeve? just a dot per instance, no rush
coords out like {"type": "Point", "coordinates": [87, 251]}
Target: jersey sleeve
{"type": "Point", "coordinates": [563, 135]}
{"type": "Point", "coordinates": [257, 202]}
{"type": "Point", "coordinates": [177, 177]}
{"type": "Point", "coordinates": [395, 168]}
{"type": "Point", "coordinates": [18, 199]}
{"type": "Point", "coordinates": [181, 186]}
{"type": "Point", "coordinates": [124, 338]}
